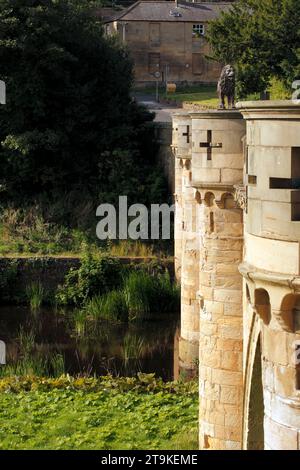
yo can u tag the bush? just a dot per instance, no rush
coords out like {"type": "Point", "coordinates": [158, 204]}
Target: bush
{"type": "Point", "coordinates": [95, 276]}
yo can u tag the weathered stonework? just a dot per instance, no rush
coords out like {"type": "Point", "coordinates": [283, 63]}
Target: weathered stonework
{"type": "Point", "coordinates": [186, 242]}
{"type": "Point", "coordinates": [238, 247]}
{"type": "Point", "coordinates": [271, 272]}
{"type": "Point", "coordinates": [217, 165]}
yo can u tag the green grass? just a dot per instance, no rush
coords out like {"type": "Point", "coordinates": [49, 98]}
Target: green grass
{"type": "Point", "coordinates": [204, 95]}
{"type": "Point", "coordinates": [108, 418]}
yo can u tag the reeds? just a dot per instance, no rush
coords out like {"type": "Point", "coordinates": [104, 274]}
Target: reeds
{"type": "Point", "coordinates": [111, 306]}
{"type": "Point", "coordinates": [141, 296]}
{"type": "Point", "coordinates": [35, 295]}
{"type": "Point", "coordinates": [80, 321]}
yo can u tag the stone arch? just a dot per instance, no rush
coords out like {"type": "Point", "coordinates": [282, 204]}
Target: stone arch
{"type": "Point", "coordinates": [209, 199]}
{"type": "Point", "coordinates": [255, 432]}
{"type": "Point", "coordinates": [289, 314]}
{"type": "Point", "coordinates": [187, 164]}
{"type": "Point", "coordinates": [181, 164]}
{"type": "Point", "coordinates": [262, 305]}
{"type": "Point", "coordinates": [198, 197]}
{"type": "Point", "coordinates": [228, 201]}
{"type": "Point", "coordinates": [253, 422]}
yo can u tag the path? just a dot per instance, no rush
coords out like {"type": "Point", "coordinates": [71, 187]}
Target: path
{"type": "Point", "coordinates": [163, 112]}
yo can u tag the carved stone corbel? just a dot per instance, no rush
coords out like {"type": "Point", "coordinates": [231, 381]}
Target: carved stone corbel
{"type": "Point", "coordinates": [240, 196]}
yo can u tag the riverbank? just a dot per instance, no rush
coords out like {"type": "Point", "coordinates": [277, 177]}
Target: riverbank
{"type": "Point", "coordinates": [18, 272]}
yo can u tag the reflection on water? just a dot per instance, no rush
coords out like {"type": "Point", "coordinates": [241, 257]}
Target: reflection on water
{"type": "Point", "coordinates": [49, 337]}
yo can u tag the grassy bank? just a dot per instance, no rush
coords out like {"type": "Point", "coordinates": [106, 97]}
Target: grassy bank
{"type": "Point", "coordinates": [106, 413]}
{"type": "Point", "coordinates": [206, 95]}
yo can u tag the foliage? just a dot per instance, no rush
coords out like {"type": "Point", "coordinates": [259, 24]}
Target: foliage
{"type": "Point", "coordinates": [111, 306]}
{"type": "Point", "coordinates": [105, 413]}
{"type": "Point", "coordinates": [96, 275]}
{"type": "Point", "coordinates": [28, 231]}
{"type": "Point", "coordinates": [146, 294]}
{"type": "Point", "coordinates": [140, 297]}
{"type": "Point", "coordinates": [262, 38]}
{"type": "Point", "coordinates": [35, 294]}
{"type": "Point", "coordinates": [8, 273]}
{"type": "Point", "coordinates": [71, 135]}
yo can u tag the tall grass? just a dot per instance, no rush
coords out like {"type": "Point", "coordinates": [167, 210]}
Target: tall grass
{"type": "Point", "coordinates": [26, 341]}
{"type": "Point", "coordinates": [141, 296]}
{"type": "Point", "coordinates": [35, 294]}
{"type": "Point", "coordinates": [131, 249]}
{"type": "Point", "coordinates": [146, 295]}
{"type": "Point", "coordinates": [80, 322]}
{"type": "Point", "coordinates": [57, 364]}
{"type": "Point", "coordinates": [111, 306]}
{"type": "Point", "coordinates": [27, 366]}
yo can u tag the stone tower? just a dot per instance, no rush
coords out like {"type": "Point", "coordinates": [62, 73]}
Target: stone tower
{"type": "Point", "coordinates": [186, 242]}
{"type": "Point", "coordinates": [271, 272]}
{"type": "Point", "coordinates": [217, 166]}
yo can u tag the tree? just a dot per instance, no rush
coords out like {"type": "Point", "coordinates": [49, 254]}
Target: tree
{"type": "Point", "coordinates": [262, 39]}
{"type": "Point", "coordinates": [69, 123]}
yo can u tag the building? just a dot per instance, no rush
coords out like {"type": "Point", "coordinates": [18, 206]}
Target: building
{"type": "Point", "coordinates": [237, 184]}
{"type": "Point", "coordinates": [167, 40]}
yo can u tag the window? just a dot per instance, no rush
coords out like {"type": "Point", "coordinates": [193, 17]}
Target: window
{"type": "Point", "coordinates": [198, 30]}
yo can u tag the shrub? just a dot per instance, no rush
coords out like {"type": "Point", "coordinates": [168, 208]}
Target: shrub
{"type": "Point", "coordinates": [95, 276]}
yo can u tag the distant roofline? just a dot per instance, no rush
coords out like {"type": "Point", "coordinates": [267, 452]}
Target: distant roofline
{"type": "Point", "coordinates": [180, 3]}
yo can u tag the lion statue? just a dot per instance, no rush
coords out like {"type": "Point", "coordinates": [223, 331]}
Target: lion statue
{"type": "Point", "coordinates": [226, 87]}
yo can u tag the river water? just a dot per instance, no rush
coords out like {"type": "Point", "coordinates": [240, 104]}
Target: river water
{"type": "Point", "coordinates": [51, 336]}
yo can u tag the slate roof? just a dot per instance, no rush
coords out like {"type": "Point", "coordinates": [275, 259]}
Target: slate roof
{"type": "Point", "coordinates": [160, 11]}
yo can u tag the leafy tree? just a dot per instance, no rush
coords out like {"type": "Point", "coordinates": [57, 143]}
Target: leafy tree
{"type": "Point", "coordinates": [69, 123]}
{"type": "Point", "coordinates": [262, 38]}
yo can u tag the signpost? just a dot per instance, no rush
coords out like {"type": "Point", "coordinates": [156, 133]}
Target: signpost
{"type": "Point", "coordinates": [157, 76]}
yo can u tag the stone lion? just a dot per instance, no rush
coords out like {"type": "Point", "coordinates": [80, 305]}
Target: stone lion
{"type": "Point", "coordinates": [226, 87]}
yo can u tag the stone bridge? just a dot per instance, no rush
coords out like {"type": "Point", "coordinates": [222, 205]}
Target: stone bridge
{"type": "Point", "coordinates": [237, 255]}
